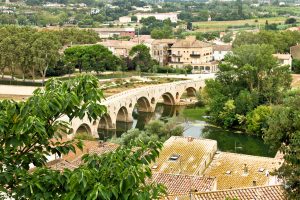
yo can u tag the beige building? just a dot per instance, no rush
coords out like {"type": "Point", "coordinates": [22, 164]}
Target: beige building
{"type": "Point", "coordinates": [284, 59]}
{"type": "Point", "coordinates": [118, 47]}
{"type": "Point", "coordinates": [161, 50]}
{"type": "Point", "coordinates": [105, 33]}
{"type": "Point", "coordinates": [159, 16]}
{"type": "Point", "coordinates": [125, 19]}
{"type": "Point", "coordinates": [185, 52]}
{"type": "Point", "coordinates": [193, 52]}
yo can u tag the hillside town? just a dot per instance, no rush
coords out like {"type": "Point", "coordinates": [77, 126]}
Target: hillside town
{"type": "Point", "coordinates": [149, 99]}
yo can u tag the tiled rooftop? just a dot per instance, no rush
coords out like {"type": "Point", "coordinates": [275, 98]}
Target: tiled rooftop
{"type": "Point", "coordinates": [118, 44]}
{"type": "Point", "coordinates": [90, 147]}
{"type": "Point", "coordinates": [275, 192]}
{"type": "Point", "coordinates": [72, 161]}
{"type": "Point", "coordinates": [222, 47]}
{"type": "Point", "coordinates": [189, 43]}
{"type": "Point", "coordinates": [229, 169]}
{"type": "Point", "coordinates": [193, 156]}
{"type": "Point", "coordinates": [184, 184]}
{"type": "Point", "coordinates": [295, 51]}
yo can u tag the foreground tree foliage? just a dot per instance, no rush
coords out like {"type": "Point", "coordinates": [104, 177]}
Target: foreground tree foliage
{"type": "Point", "coordinates": [248, 78]}
{"type": "Point", "coordinates": [283, 132]}
{"type": "Point", "coordinates": [115, 175]}
{"type": "Point", "coordinates": [31, 130]}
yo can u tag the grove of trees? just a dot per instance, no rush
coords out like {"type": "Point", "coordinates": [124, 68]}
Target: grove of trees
{"type": "Point", "coordinates": [280, 40]}
{"type": "Point", "coordinates": [251, 92]}
{"type": "Point", "coordinates": [32, 52]}
{"type": "Point", "coordinates": [92, 58]}
{"type": "Point", "coordinates": [249, 80]}
{"type": "Point", "coordinates": [283, 132]}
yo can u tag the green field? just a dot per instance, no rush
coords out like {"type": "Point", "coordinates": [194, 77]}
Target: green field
{"type": "Point", "coordinates": [223, 25]}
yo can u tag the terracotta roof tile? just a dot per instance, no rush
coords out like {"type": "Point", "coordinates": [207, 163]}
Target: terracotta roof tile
{"type": "Point", "coordinates": [183, 184]}
{"type": "Point", "coordinates": [258, 170]}
{"type": "Point", "coordinates": [295, 52]}
{"type": "Point", "coordinates": [72, 161]}
{"type": "Point", "coordinates": [275, 192]}
{"type": "Point", "coordinates": [190, 44]}
{"type": "Point", "coordinates": [262, 193]}
{"type": "Point", "coordinates": [194, 155]}
{"type": "Point", "coordinates": [222, 47]}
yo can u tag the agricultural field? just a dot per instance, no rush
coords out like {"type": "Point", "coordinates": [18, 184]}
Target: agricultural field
{"type": "Point", "coordinates": [224, 25]}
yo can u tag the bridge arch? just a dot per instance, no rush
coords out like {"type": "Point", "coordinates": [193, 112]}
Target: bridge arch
{"type": "Point", "coordinates": [143, 105]}
{"type": "Point", "coordinates": [168, 98]}
{"type": "Point", "coordinates": [123, 115]}
{"type": "Point", "coordinates": [105, 122]}
{"type": "Point", "coordinates": [191, 91]}
{"type": "Point", "coordinates": [84, 128]}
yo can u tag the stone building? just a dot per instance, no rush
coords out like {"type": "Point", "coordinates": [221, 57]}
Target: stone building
{"type": "Point", "coordinates": [161, 50]}
{"type": "Point", "coordinates": [192, 52]}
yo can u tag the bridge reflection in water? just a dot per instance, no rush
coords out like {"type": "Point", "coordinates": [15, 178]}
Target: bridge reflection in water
{"type": "Point", "coordinates": [140, 119]}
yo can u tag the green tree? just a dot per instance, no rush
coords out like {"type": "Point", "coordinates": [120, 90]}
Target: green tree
{"type": "Point", "coordinates": [92, 58]}
{"type": "Point", "coordinates": [155, 130]}
{"type": "Point", "coordinates": [33, 129]}
{"type": "Point", "coordinates": [284, 132]}
{"type": "Point", "coordinates": [296, 66]}
{"type": "Point", "coordinates": [256, 120]}
{"type": "Point", "coordinates": [280, 40]}
{"type": "Point", "coordinates": [290, 20]}
{"type": "Point", "coordinates": [45, 52]}
{"type": "Point", "coordinates": [27, 127]}
{"type": "Point", "coordinates": [134, 18]}
{"type": "Point", "coordinates": [248, 78]}
{"type": "Point", "coordinates": [228, 114]}
{"type": "Point", "coordinates": [227, 38]}
{"type": "Point", "coordinates": [162, 33]}
{"type": "Point", "coordinates": [141, 58]}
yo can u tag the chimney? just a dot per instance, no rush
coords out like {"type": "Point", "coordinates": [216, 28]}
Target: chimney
{"type": "Point", "coordinates": [190, 139]}
{"type": "Point", "coordinates": [245, 169]}
{"type": "Point", "coordinates": [254, 183]}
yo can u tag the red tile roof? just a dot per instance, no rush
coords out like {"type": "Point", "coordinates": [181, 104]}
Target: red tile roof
{"type": "Point", "coordinates": [72, 161]}
{"type": "Point", "coordinates": [222, 47]}
{"type": "Point", "coordinates": [275, 192]}
{"type": "Point", "coordinates": [183, 184]}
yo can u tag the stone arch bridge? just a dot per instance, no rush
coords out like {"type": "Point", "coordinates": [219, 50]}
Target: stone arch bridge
{"type": "Point", "coordinates": [121, 105]}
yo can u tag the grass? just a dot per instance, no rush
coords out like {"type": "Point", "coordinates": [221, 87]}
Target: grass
{"type": "Point", "coordinates": [84, 136]}
{"type": "Point", "coordinates": [196, 113]}
{"type": "Point", "coordinates": [223, 25]}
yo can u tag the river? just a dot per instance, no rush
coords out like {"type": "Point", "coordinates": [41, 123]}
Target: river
{"type": "Point", "coordinates": [228, 141]}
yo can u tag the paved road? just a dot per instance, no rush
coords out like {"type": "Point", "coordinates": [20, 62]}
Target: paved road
{"type": "Point", "coordinates": [17, 90]}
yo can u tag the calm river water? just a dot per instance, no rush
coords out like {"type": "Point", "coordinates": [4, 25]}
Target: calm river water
{"type": "Point", "coordinates": [227, 140]}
